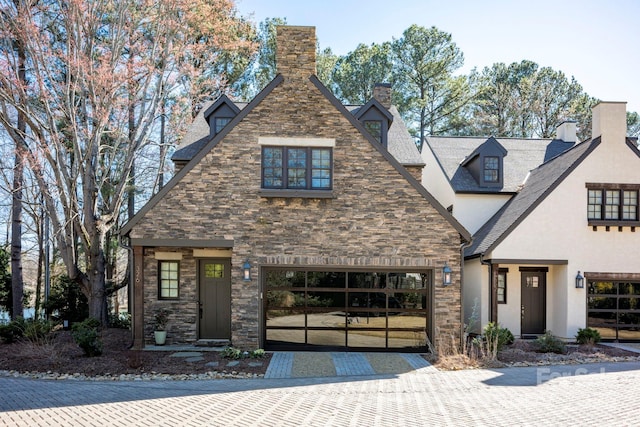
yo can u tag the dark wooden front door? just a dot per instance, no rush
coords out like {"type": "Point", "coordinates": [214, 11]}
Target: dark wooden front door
{"type": "Point", "coordinates": [215, 299]}
{"type": "Point", "coordinates": [533, 300]}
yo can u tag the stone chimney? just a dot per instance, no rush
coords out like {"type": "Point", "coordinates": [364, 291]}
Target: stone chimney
{"type": "Point", "coordinates": [567, 131]}
{"type": "Point", "coordinates": [382, 93]}
{"type": "Point", "coordinates": [609, 120]}
{"type": "Point", "coordinates": [296, 52]}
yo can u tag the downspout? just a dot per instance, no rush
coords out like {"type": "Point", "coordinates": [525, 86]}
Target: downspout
{"type": "Point", "coordinates": [130, 290]}
{"type": "Point", "coordinates": [483, 262]}
{"type": "Point", "coordinates": [463, 246]}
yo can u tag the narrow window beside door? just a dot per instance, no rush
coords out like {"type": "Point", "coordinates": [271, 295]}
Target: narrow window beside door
{"type": "Point", "coordinates": [168, 279]}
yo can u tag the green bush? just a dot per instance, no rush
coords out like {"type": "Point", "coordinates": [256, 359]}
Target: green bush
{"type": "Point", "coordinates": [66, 301]}
{"type": "Point", "coordinates": [588, 336]}
{"type": "Point", "coordinates": [120, 321]}
{"type": "Point", "coordinates": [231, 353]}
{"type": "Point", "coordinates": [87, 336]}
{"type": "Point", "coordinates": [550, 344]}
{"type": "Point", "coordinates": [38, 331]}
{"type": "Point", "coordinates": [493, 331]}
{"type": "Point", "coordinates": [12, 331]}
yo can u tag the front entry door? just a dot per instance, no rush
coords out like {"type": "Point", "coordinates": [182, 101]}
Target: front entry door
{"type": "Point", "coordinates": [533, 302]}
{"type": "Point", "coordinates": [215, 299]}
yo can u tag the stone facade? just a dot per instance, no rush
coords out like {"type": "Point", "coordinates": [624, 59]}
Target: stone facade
{"type": "Point", "coordinates": [376, 216]}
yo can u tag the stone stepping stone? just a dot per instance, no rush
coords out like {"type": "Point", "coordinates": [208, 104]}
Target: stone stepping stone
{"type": "Point", "coordinates": [194, 359]}
{"type": "Point", "coordinates": [255, 364]}
{"type": "Point", "coordinates": [187, 354]}
{"type": "Point", "coordinates": [212, 364]}
{"type": "Point", "coordinates": [233, 363]}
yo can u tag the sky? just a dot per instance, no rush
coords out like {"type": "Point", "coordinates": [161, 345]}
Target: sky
{"type": "Point", "coordinates": [595, 41]}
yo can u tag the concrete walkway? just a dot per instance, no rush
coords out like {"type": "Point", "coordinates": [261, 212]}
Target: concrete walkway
{"type": "Point", "coordinates": [342, 364]}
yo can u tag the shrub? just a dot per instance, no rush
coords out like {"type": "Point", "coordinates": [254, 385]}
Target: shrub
{"type": "Point", "coordinates": [550, 344]}
{"type": "Point", "coordinates": [38, 331]}
{"type": "Point", "coordinates": [86, 335]}
{"type": "Point", "coordinates": [257, 354]}
{"type": "Point", "coordinates": [120, 321]}
{"type": "Point", "coordinates": [493, 332]}
{"type": "Point", "coordinates": [12, 331]}
{"type": "Point", "coordinates": [231, 353]}
{"type": "Point", "coordinates": [66, 301]}
{"type": "Point", "coordinates": [588, 336]}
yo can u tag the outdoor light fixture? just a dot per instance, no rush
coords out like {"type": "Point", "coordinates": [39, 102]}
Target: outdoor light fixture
{"type": "Point", "coordinates": [246, 271]}
{"type": "Point", "coordinates": [579, 280]}
{"type": "Point", "coordinates": [446, 275]}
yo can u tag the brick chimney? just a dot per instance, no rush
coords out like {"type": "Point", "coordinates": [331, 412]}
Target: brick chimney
{"type": "Point", "coordinates": [296, 51]}
{"type": "Point", "coordinates": [567, 132]}
{"type": "Point", "coordinates": [382, 93]}
{"type": "Point", "coordinates": [609, 120]}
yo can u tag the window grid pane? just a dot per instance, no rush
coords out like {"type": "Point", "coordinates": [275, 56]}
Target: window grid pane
{"type": "Point", "coordinates": [169, 279]}
{"type": "Point", "coordinates": [375, 128]}
{"type": "Point", "coordinates": [491, 165]}
{"type": "Point", "coordinates": [630, 205]}
{"type": "Point", "coordinates": [612, 204]}
{"type": "Point", "coordinates": [595, 204]}
{"type": "Point", "coordinates": [289, 167]}
{"type": "Point", "coordinates": [320, 168]}
{"type": "Point", "coordinates": [272, 162]}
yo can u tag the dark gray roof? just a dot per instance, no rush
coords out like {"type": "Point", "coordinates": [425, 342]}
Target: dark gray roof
{"type": "Point", "coordinates": [197, 135]}
{"type": "Point", "coordinates": [400, 144]}
{"type": "Point", "coordinates": [538, 185]}
{"type": "Point", "coordinates": [522, 156]}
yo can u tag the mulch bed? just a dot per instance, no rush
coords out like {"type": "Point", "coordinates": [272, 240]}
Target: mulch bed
{"type": "Point", "coordinates": [61, 355]}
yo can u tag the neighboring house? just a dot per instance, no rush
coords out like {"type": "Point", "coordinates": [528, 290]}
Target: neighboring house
{"type": "Point", "coordinates": [296, 222]}
{"type": "Point", "coordinates": [474, 177]}
{"type": "Point", "coordinates": [562, 252]}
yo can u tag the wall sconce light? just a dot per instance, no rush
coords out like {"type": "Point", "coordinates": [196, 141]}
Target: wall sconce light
{"type": "Point", "coordinates": [446, 275]}
{"type": "Point", "coordinates": [579, 281]}
{"type": "Point", "coordinates": [246, 271]}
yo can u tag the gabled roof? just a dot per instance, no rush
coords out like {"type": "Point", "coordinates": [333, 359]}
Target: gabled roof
{"type": "Point", "coordinates": [205, 144]}
{"type": "Point", "coordinates": [373, 103]}
{"type": "Point", "coordinates": [522, 156]}
{"type": "Point", "coordinates": [540, 183]}
{"type": "Point", "coordinates": [399, 142]}
{"type": "Point", "coordinates": [208, 142]}
{"type": "Point", "coordinates": [489, 147]}
{"type": "Point", "coordinates": [223, 100]}
{"type": "Point", "coordinates": [198, 133]}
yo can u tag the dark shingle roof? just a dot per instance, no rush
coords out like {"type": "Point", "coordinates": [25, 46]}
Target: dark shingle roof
{"type": "Point", "coordinates": [538, 185]}
{"type": "Point", "coordinates": [400, 144]}
{"type": "Point", "coordinates": [522, 156]}
{"type": "Point", "coordinates": [197, 135]}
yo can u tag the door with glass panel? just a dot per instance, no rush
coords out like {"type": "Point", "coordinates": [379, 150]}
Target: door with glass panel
{"type": "Point", "coordinates": [215, 299]}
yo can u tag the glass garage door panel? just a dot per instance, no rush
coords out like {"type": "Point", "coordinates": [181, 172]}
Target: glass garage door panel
{"type": "Point", "coordinates": [360, 310]}
{"type": "Point", "coordinates": [614, 309]}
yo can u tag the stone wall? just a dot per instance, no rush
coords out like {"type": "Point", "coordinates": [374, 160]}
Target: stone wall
{"type": "Point", "coordinates": [376, 217]}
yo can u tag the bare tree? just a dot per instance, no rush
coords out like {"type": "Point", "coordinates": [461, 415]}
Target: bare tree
{"type": "Point", "coordinates": [97, 71]}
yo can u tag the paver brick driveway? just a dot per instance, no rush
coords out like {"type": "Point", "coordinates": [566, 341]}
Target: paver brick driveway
{"type": "Point", "coordinates": [578, 395]}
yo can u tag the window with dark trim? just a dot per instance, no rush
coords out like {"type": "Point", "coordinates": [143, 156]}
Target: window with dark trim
{"type": "Point", "coordinates": [502, 286]}
{"type": "Point", "coordinates": [297, 168]}
{"type": "Point", "coordinates": [612, 203]}
{"type": "Point", "coordinates": [375, 128]}
{"type": "Point", "coordinates": [491, 167]}
{"type": "Point", "coordinates": [168, 279]}
{"type": "Point", "coordinates": [219, 123]}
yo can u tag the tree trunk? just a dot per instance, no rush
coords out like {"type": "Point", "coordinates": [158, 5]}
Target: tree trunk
{"type": "Point", "coordinates": [17, 285]}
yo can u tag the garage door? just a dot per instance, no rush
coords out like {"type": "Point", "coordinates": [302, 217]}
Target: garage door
{"type": "Point", "coordinates": [614, 309]}
{"type": "Point", "coordinates": [358, 310]}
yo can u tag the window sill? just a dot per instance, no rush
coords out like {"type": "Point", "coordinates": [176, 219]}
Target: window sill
{"type": "Point", "coordinates": [303, 194]}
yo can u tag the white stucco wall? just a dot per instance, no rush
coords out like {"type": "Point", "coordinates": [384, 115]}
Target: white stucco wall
{"type": "Point", "coordinates": [558, 229]}
{"type": "Point", "coordinates": [435, 180]}
{"type": "Point", "coordinates": [473, 210]}
{"type": "Point", "coordinates": [476, 293]}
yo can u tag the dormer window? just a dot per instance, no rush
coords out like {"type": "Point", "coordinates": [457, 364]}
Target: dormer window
{"type": "Point", "coordinates": [491, 169]}
{"type": "Point", "coordinates": [219, 123]}
{"type": "Point", "coordinates": [375, 128]}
